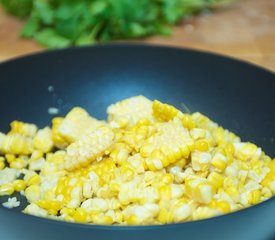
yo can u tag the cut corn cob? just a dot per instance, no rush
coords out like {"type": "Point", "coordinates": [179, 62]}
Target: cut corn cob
{"type": "Point", "coordinates": [25, 129]}
{"type": "Point", "coordinates": [88, 148]}
{"type": "Point", "coordinates": [129, 111]}
{"type": "Point", "coordinates": [163, 111]}
{"type": "Point", "coordinates": [58, 140]}
{"type": "Point", "coordinates": [77, 123]}
{"type": "Point", "coordinates": [16, 144]}
{"type": "Point", "coordinates": [135, 136]}
{"type": "Point", "coordinates": [43, 140]}
{"type": "Point", "coordinates": [170, 143]}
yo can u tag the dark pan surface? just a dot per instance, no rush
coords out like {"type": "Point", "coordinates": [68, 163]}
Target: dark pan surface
{"type": "Point", "coordinates": [237, 95]}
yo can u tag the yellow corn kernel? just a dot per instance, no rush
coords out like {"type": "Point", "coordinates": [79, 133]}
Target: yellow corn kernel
{"type": "Point", "coordinates": [204, 212]}
{"type": "Point", "coordinates": [135, 136]}
{"type": "Point", "coordinates": [254, 197]}
{"type": "Point", "coordinates": [221, 205]}
{"type": "Point", "coordinates": [272, 186]}
{"type": "Point", "coordinates": [164, 111]}
{"type": "Point", "coordinates": [52, 206]}
{"type": "Point", "coordinates": [181, 211]}
{"type": "Point", "coordinates": [266, 181]}
{"type": "Point", "coordinates": [119, 155]}
{"type": "Point", "coordinates": [215, 179]}
{"type": "Point", "coordinates": [245, 151]}
{"type": "Point", "coordinates": [68, 218]}
{"type": "Point", "coordinates": [81, 216]}
{"type": "Point", "coordinates": [10, 158]}
{"type": "Point", "coordinates": [127, 172]}
{"type": "Point", "coordinates": [167, 178]}
{"type": "Point", "coordinates": [164, 216]}
{"type": "Point", "coordinates": [131, 220]}
{"type": "Point", "coordinates": [271, 165]}
{"type": "Point", "coordinates": [55, 205]}
{"type": "Point", "coordinates": [25, 129]}
{"type": "Point", "coordinates": [229, 148]}
{"type": "Point", "coordinates": [120, 122]}
{"type": "Point", "coordinates": [58, 140]}
{"type": "Point", "coordinates": [43, 140]}
{"type": "Point", "coordinates": [2, 165]}
{"type": "Point", "coordinates": [43, 204]}
{"type": "Point", "coordinates": [67, 211]}
{"type": "Point", "coordinates": [88, 148]}
{"type": "Point", "coordinates": [219, 161]}
{"type": "Point", "coordinates": [156, 161]}
{"type": "Point", "coordinates": [6, 189]}
{"type": "Point", "coordinates": [188, 122]}
{"type": "Point", "coordinates": [49, 195]}
{"type": "Point", "coordinates": [16, 144]}
{"type": "Point", "coordinates": [19, 163]}
{"type": "Point", "coordinates": [199, 190]}
{"type": "Point", "coordinates": [114, 187]}
{"type": "Point", "coordinates": [19, 185]}
{"type": "Point", "coordinates": [119, 216]}
{"type": "Point", "coordinates": [202, 145]}
{"type": "Point", "coordinates": [233, 193]}
{"type": "Point", "coordinates": [32, 193]}
{"type": "Point", "coordinates": [102, 219]}
{"type": "Point", "coordinates": [266, 192]}
{"type": "Point", "coordinates": [165, 192]}
{"type": "Point", "coordinates": [36, 154]}
{"type": "Point", "coordinates": [60, 186]}
{"type": "Point", "coordinates": [200, 161]}
{"type": "Point", "coordinates": [33, 180]}
{"type": "Point", "coordinates": [58, 157]}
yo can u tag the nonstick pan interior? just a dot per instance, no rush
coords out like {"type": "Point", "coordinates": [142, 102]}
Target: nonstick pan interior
{"type": "Point", "coordinates": [237, 95]}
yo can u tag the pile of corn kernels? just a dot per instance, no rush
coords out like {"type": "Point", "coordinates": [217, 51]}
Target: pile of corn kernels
{"type": "Point", "coordinates": [149, 163]}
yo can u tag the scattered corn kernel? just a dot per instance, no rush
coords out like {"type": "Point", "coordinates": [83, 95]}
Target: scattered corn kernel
{"type": "Point", "coordinates": [148, 164]}
{"type": "Point", "coordinates": [19, 185]}
{"type": "Point", "coordinates": [6, 189]}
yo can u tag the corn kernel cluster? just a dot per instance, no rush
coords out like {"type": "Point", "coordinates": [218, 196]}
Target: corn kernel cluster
{"type": "Point", "coordinates": [148, 164]}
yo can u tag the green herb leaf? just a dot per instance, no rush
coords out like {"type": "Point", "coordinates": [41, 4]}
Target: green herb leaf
{"type": "Point", "coordinates": [61, 23]}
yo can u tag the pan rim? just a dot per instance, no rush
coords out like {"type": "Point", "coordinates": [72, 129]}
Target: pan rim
{"type": "Point", "coordinates": [42, 53]}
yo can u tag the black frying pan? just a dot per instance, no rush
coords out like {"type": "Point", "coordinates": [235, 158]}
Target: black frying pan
{"type": "Point", "coordinates": [237, 95]}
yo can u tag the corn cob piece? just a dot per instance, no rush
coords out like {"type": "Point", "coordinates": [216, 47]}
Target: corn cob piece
{"type": "Point", "coordinates": [170, 143]}
{"type": "Point", "coordinates": [16, 144]}
{"type": "Point", "coordinates": [129, 111]}
{"type": "Point", "coordinates": [163, 111]}
{"type": "Point", "coordinates": [43, 140]}
{"type": "Point", "coordinates": [89, 147]}
{"type": "Point", "coordinates": [58, 140]}
{"type": "Point", "coordinates": [135, 136]}
{"type": "Point", "coordinates": [77, 123]}
{"type": "Point", "coordinates": [25, 129]}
